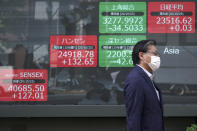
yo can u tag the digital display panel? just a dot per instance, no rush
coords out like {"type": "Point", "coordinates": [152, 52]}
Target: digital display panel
{"type": "Point", "coordinates": [122, 17]}
{"type": "Point", "coordinates": [177, 56]}
{"type": "Point", "coordinates": [84, 44]}
{"type": "Point", "coordinates": [73, 51]}
{"type": "Point", "coordinates": [23, 84]}
{"type": "Point", "coordinates": [116, 50]}
{"type": "Point", "coordinates": [171, 17]}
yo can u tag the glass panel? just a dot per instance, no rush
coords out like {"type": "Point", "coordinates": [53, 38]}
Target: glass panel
{"type": "Point", "coordinates": [79, 52]}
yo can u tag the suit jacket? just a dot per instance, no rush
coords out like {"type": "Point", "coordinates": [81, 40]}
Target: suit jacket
{"type": "Point", "coordinates": [144, 111]}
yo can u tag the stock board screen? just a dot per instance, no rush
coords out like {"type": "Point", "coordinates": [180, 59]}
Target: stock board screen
{"type": "Point", "coordinates": [171, 17]}
{"type": "Point", "coordinates": [73, 51]}
{"type": "Point", "coordinates": [116, 50]}
{"type": "Point", "coordinates": [122, 17]}
{"type": "Point", "coordinates": [85, 47]}
{"type": "Point", "coordinates": [24, 84]}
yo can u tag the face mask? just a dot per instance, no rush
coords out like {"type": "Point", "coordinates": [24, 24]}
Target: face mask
{"type": "Point", "coordinates": [155, 63]}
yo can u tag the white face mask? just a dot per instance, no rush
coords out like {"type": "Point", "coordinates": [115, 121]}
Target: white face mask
{"type": "Point", "coordinates": [155, 63]}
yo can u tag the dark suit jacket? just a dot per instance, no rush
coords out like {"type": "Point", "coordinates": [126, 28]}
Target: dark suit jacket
{"type": "Point", "coordinates": [144, 112]}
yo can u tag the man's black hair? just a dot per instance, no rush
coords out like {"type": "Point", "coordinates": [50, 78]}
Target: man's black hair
{"type": "Point", "coordinates": [141, 46]}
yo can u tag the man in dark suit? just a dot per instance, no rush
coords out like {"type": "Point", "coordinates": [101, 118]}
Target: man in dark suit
{"type": "Point", "coordinates": [143, 100]}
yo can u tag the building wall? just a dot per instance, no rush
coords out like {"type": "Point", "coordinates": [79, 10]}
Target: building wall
{"type": "Point", "coordinates": [83, 124]}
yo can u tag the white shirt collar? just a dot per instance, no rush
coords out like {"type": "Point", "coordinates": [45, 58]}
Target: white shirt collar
{"type": "Point", "coordinates": [148, 73]}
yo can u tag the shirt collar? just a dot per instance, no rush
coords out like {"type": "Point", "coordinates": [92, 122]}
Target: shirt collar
{"type": "Point", "coordinates": [148, 73]}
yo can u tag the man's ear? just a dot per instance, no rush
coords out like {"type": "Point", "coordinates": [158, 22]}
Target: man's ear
{"type": "Point", "coordinates": [141, 55]}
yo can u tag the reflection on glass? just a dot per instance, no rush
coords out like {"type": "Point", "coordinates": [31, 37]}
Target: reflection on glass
{"type": "Point", "coordinates": [25, 30]}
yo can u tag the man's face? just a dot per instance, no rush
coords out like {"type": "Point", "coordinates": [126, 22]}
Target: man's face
{"type": "Point", "coordinates": [145, 57]}
{"type": "Point", "coordinates": [152, 51]}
